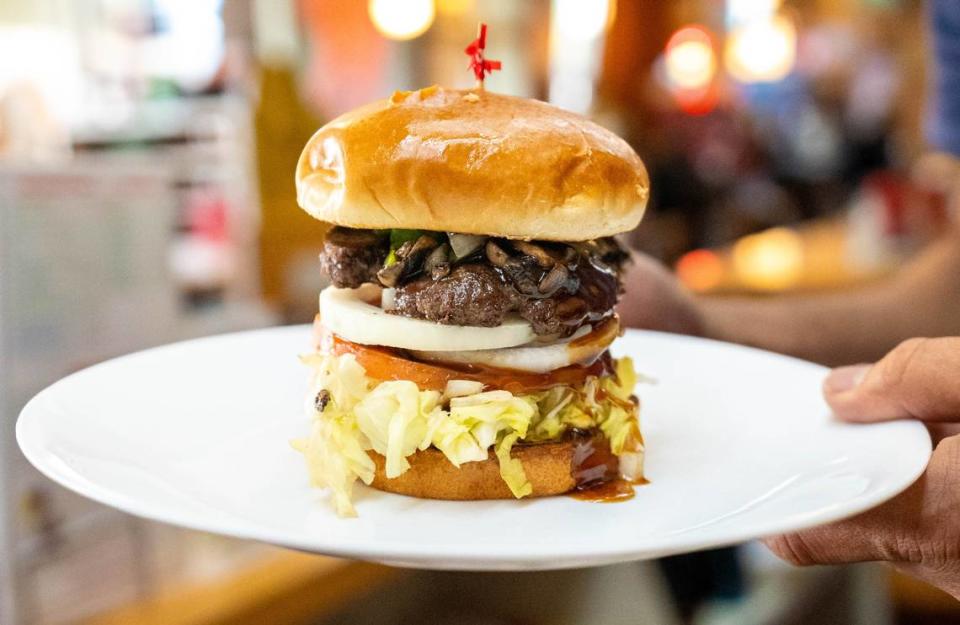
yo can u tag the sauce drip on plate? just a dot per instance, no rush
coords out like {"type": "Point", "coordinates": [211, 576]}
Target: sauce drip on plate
{"type": "Point", "coordinates": [596, 471]}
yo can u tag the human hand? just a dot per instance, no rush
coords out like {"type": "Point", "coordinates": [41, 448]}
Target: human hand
{"type": "Point", "coordinates": [919, 530]}
{"type": "Point", "coordinates": [656, 300]}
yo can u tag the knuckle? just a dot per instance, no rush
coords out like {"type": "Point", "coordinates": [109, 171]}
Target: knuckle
{"type": "Point", "coordinates": [897, 367]}
{"type": "Point", "coordinates": [906, 548]}
{"type": "Point", "coordinates": [793, 549]}
{"type": "Point", "coordinates": [948, 451]}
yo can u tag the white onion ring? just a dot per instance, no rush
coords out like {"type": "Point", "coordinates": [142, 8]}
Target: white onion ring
{"type": "Point", "coordinates": [581, 348]}
{"type": "Point", "coordinates": [344, 313]}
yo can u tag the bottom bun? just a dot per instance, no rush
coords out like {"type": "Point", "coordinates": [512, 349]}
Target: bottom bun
{"type": "Point", "coordinates": [550, 467]}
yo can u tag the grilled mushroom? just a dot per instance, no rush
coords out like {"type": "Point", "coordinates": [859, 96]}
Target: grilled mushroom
{"type": "Point", "coordinates": [496, 255]}
{"type": "Point", "coordinates": [409, 260]}
{"type": "Point", "coordinates": [437, 263]}
{"type": "Point", "coordinates": [389, 276]}
{"type": "Point", "coordinates": [542, 256]}
{"type": "Point", "coordinates": [553, 280]}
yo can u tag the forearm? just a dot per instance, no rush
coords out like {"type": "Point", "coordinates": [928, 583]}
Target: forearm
{"type": "Point", "coordinates": [857, 326]}
{"type": "Point", "coordinates": [834, 329]}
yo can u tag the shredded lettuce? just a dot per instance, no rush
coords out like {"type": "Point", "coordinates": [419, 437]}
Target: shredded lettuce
{"type": "Point", "coordinates": [396, 418]}
{"type": "Point", "coordinates": [336, 458]}
{"type": "Point", "coordinates": [511, 469]}
{"type": "Point", "coordinates": [488, 414]}
{"type": "Point", "coordinates": [393, 416]}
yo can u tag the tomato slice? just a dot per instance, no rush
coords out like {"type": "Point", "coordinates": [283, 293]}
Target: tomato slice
{"type": "Point", "coordinates": [386, 363]}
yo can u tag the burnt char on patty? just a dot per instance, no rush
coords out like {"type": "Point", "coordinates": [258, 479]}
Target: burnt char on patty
{"type": "Point", "coordinates": [555, 287]}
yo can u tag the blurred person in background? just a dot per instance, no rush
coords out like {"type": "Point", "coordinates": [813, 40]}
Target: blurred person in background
{"type": "Point", "coordinates": [918, 531]}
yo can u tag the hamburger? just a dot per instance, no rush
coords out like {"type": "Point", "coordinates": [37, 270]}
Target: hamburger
{"type": "Point", "coordinates": [461, 351]}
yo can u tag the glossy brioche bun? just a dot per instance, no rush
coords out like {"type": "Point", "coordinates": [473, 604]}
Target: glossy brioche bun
{"type": "Point", "coordinates": [472, 162]}
{"type": "Point", "coordinates": [431, 475]}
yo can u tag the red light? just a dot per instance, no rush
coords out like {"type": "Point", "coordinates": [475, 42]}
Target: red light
{"type": "Point", "coordinates": [690, 66]}
{"type": "Point", "coordinates": [700, 270]}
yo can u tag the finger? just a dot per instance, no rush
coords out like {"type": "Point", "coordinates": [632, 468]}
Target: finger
{"type": "Point", "coordinates": [883, 533]}
{"type": "Point", "coordinates": [920, 379]}
{"type": "Point", "coordinates": [941, 431]}
{"type": "Point", "coordinates": [908, 529]}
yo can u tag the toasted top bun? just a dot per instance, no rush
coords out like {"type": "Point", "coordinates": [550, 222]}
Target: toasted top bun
{"type": "Point", "coordinates": [472, 162]}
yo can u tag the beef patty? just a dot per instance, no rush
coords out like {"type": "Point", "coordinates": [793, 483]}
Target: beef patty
{"type": "Point", "coordinates": [555, 287]}
{"type": "Point", "coordinates": [352, 257]}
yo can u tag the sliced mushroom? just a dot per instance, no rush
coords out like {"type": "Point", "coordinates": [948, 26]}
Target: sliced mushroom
{"type": "Point", "coordinates": [353, 237]}
{"type": "Point", "coordinates": [437, 263]}
{"type": "Point", "coordinates": [390, 275]}
{"type": "Point", "coordinates": [410, 257]}
{"type": "Point", "coordinates": [440, 271]}
{"type": "Point", "coordinates": [422, 245]}
{"type": "Point", "coordinates": [524, 274]}
{"type": "Point", "coordinates": [553, 280]}
{"type": "Point", "coordinates": [496, 255]}
{"type": "Point", "coordinates": [542, 256]}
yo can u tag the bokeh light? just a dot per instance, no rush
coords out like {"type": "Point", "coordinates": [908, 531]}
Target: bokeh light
{"type": "Point", "coordinates": [762, 51]}
{"type": "Point", "coordinates": [401, 19]}
{"type": "Point", "coordinates": [739, 12]}
{"type": "Point", "coordinates": [455, 7]}
{"type": "Point", "coordinates": [690, 61]}
{"type": "Point", "coordinates": [579, 20]}
{"type": "Point", "coordinates": [700, 270]}
{"type": "Point", "coordinates": [771, 260]}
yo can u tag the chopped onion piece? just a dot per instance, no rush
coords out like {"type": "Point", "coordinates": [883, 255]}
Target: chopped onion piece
{"type": "Point", "coordinates": [388, 299]}
{"type": "Point", "coordinates": [462, 388]}
{"type": "Point", "coordinates": [465, 244]}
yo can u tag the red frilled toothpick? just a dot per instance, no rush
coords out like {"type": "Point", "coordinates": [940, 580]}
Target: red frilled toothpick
{"type": "Point", "coordinates": [480, 66]}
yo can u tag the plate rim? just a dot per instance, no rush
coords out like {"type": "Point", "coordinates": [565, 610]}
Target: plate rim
{"type": "Point", "coordinates": [410, 553]}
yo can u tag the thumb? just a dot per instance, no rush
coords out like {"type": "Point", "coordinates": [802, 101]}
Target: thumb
{"type": "Point", "coordinates": [920, 379]}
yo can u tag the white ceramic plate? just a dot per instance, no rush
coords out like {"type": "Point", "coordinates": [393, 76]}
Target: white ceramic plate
{"type": "Point", "coordinates": [740, 445]}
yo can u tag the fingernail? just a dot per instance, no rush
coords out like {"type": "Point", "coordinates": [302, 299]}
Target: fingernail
{"type": "Point", "coordinates": [843, 379]}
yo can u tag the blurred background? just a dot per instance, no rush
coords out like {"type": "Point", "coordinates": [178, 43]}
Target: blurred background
{"type": "Point", "coordinates": [147, 150]}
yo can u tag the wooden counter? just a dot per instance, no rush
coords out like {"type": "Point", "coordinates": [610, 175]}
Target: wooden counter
{"type": "Point", "coordinates": [286, 588]}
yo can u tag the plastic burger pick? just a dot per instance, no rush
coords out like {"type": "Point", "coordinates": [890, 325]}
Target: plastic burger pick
{"type": "Point", "coordinates": [480, 66]}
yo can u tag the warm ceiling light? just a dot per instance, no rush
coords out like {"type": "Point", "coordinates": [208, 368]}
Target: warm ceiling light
{"type": "Point", "coordinates": [401, 19]}
{"type": "Point", "coordinates": [762, 51]}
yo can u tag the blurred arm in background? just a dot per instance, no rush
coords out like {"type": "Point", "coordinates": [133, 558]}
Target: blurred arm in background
{"type": "Point", "coordinates": [922, 299]}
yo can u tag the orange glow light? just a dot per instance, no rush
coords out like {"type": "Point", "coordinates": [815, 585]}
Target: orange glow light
{"type": "Point", "coordinates": [771, 260]}
{"type": "Point", "coordinates": [690, 67]}
{"type": "Point", "coordinates": [700, 270]}
{"type": "Point", "coordinates": [691, 62]}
